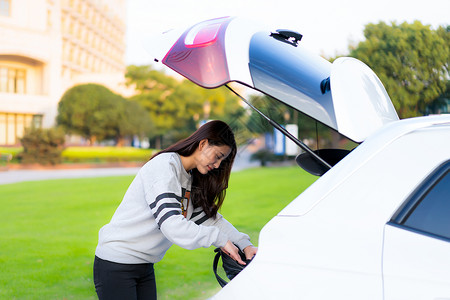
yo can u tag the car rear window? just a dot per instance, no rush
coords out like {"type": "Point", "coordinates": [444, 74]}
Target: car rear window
{"type": "Point", "coordinates": [428, 210]}
{"type": "Point", "coordinates": [432, 214]}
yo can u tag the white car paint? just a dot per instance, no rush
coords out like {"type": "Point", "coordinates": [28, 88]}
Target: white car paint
{"type": "Point", "coordinates": [352, 81]}
{"type": "Point", "coordinates": [335, 240]}
{"type": "Point", "coordinates": [332, 242]}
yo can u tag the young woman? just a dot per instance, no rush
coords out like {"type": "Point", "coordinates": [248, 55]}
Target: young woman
{"type": "Point", "coordinates": [173, 199]}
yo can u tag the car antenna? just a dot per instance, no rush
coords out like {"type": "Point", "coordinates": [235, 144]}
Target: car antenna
{"type": "Point", "coordinates": [283, 130]}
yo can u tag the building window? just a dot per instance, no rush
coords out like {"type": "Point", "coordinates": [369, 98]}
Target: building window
{"type": "Point", "coordinates": [12, 80]}
{"type": "Point", "coordinates": [71, 26]}
{"type": "Point", "coordinates": [12, 127]}
{"type": "Point", "coordinates": [5, 8]}
{"type": "Point", "coordinates": [20, 81]}
{"type": "Point", "coordinates": [49, 18]}
{"type": "Point", "coordinates": [3, 129]}
{"type": "Point", "coordinates": [3, 79]}
{"type": "Point", "coordinates": [36, 121]}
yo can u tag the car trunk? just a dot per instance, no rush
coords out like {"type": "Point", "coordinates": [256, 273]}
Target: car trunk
{"type": "Point", "coordinates": [345, 95]}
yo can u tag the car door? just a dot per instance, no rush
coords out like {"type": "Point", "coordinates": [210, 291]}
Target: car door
{"type": "Point", "coordinates": [416, 251]}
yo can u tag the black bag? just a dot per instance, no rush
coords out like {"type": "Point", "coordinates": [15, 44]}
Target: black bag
{"type": "Point", "coordinates": [231, 267]}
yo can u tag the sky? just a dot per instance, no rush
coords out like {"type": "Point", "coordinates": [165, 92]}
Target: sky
{"type": "Point", "coordinates": [328, 26]}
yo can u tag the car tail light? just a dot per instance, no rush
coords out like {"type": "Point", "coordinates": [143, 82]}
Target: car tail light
{"type": "Point", "coordinates": [203, 34]}
{"type": "Point", "coordinates": [199, 54]}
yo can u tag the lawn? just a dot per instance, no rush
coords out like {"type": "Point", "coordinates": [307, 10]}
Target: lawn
{"type": "Point", "coordinates": [101, 154]}
{"type": "Point", "coordinates": [89, 154]}
{"type": "Point", "coordinates": [49, 233]}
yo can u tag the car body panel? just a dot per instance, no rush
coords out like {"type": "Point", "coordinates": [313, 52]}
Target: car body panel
{"type": "Point", "coordinates": [359, 156]}
{"type": "Point", "coordinates": [293, 281]}
{"type": "Point", "coordinates": [342, 236]}
{"type": "Point", "coordinates": [292, 75]}
{"type": "Point", "coordinates": [219, 51]}
{"type": "Point", "coordinates": [413, 265]}
{"type": "Point", "coordinates": [361, 103]}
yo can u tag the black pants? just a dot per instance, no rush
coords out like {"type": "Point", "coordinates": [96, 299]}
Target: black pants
{"type": "Point", "coordinates": [124, 281]}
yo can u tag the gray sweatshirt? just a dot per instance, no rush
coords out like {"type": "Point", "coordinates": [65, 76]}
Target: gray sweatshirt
{"type": "Point", "coordinates": [149, 219]}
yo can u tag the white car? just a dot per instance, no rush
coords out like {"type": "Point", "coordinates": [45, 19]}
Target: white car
{"type": "Point", "coordinates": [376, 224]}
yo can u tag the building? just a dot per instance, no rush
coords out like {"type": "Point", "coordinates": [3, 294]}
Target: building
{"type": "Point", "coordinates": [48, 46]}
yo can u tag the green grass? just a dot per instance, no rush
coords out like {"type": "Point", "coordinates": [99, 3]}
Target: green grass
{"type": "Point", "coordinates": [49, 233]}
{"type": "Point", "coordinates": [76, 154]}
{"type": "Point", "coordinates": [11, 150]}
{"type": "Point", "coordinates": [101, 154]}
{"type": "Point", "coordinates": [8, 152]}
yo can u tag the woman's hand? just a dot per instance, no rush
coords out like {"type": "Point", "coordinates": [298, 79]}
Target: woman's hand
{"type": "Point", "coordinates": [250, 251]}
{"type": "Point", "coordinates": [233, 252]}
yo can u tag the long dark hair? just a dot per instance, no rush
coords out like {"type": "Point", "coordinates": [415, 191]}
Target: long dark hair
{"type": "Point", "coordinates": [208, 191]}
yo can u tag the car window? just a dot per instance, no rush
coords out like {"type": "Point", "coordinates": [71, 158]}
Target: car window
{"type": "Point", "coordinates": [427, 210]}
{"type": "Point", "coordinates": [432, 213]}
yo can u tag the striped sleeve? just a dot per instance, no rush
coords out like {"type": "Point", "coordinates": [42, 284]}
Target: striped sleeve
{"type": "Point", "coordinates": [242, 240]}
{"type": "Point", "coordinates": [165, 205]}
{"type": "Point", "coordinates": [163, 188]}
{"type": "Point", "coordinates": [198, 216]}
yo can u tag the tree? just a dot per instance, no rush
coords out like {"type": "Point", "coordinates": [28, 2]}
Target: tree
{"type": "Point", "coordinates": [271, 108]}
{"type": "Point", "coordinates": [315, 134]}
{"type": "Point", "coordinates": [176, 106]}
{"type": "Point", "coordinates": [412, 61]}
{"type": "Point", "coordinates": [86, 110]}
{"type": "Point", "coordinates": [153, 88]}
{"type": "Point", "coordinates": [235, 114]}
{"type": "Point", "coordinates": [441, 104]}
{"type": "Point", "coordinates": [96, 113]}
{"type": "Point", "coordinates": [132, 120]}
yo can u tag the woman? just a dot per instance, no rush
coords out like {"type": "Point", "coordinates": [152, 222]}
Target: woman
{"type": "Point", "coordinates": [173, 199]}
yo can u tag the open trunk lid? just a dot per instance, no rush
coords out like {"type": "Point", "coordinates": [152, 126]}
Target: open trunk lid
{"type": "Point", "coordinates": [345, 95]}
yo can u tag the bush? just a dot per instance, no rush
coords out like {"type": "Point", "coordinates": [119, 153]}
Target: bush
{"type": "Point", "coordinates": [43, 146]}
{"type": "Point", "coordinates": [264, 156]}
